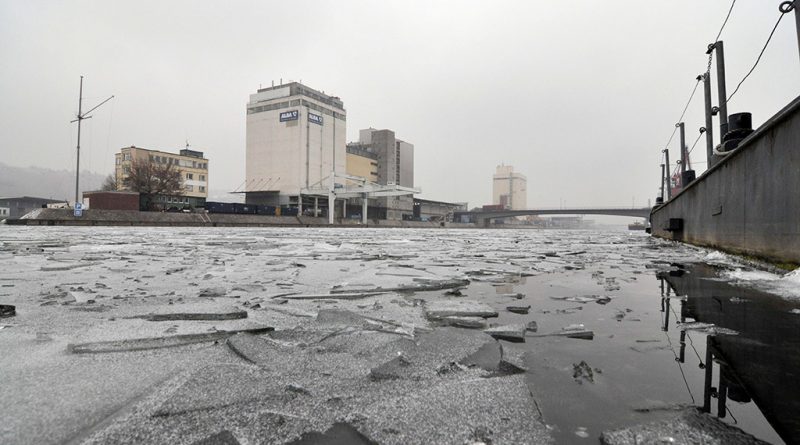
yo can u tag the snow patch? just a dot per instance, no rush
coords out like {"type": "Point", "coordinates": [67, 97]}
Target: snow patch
{"type": "Point", "coordinates": [786, 286]}
{"type": "Point", "coordinates": [749, 275]}
{"type": "Point", "coordinates": [717, 257]}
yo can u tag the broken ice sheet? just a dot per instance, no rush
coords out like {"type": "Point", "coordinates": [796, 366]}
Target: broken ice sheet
{"type": "Point", "coordinates": [707, 328]}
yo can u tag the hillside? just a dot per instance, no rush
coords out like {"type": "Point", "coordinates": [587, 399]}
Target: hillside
{"type": "Point", "coordinates": [44, 183]}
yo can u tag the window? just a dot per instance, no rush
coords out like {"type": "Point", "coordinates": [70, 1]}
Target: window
{"type": "Point", "coordinates": [118, 161]}
{"type": "Point", "coordinates": [202, 177]}
{"type": "Point", "coordinates": [194, 164]}
{"type": "Point", "coordinates": [151, 158]}
{"type": "Point", "coordinates": [189, 188]}
{"type": "Point", "coordinates": [189, 176]}
{"type": "Point", "coordinates": [127, 156]}
{"type": "Point", "coordinates": [202, 189]}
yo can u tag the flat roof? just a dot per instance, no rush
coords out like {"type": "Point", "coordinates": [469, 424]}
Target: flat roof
{"type": "Point", "coordinates": [31, 198]}
{"type": "Point", "coordinates": [430, 201]}
{"type": "Point", "coordinates": [165, 152]}
{"type": "Point", "coordinates": [297, 88]}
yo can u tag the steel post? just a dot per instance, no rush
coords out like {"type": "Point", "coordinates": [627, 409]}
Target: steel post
{"type": "Point", "coordinates": [668, 178]}
{"type": "Point", "coordinates": [797, 24]}
{"type": "Point", "coordinates": [708, 376]}
{"type": "Point", "coordinates": [683, 150]}
{"type": "Point", "coordinates": [709, 129]}
{"type": "Point", "coordinates": [722, 395]}
{"type": "Point", "coordinates": [662, 182]}
{"type": "Point", "coordinates": [364, 209]}
{"type": "Point", "coordinates": [721, 93]}
{"type": "Point", "coordinates": [78, 149]}
{"type": "Point", "coordinates": [331, 203]}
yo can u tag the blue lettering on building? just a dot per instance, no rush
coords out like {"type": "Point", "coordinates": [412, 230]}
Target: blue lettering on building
{"type": "Point", "coordinates": [290, 115]}
{"type": "Point", "coordinates": [317, 119]}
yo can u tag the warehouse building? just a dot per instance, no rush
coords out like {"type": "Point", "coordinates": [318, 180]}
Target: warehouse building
{"type": "Point", "coordinates": [295, 140]}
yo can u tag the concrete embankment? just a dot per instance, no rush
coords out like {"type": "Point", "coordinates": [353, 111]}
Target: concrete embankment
{"type": "Point", "coordinates": [748, 203]}
{"type": "Point", "coordinates": [94, 217]}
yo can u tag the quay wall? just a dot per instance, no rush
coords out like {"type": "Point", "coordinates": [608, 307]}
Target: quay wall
{"type": "Point", "coordinates": [748, 203]}
{"type": "Point", "coordinates": [96, 217]}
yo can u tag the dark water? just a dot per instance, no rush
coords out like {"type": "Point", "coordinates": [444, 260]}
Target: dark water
{"type": "Point", "coordinates": [643, 364]}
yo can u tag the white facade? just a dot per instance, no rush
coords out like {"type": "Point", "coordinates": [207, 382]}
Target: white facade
{"type": "Point", "coordinates": [295, 139]}
{"type": "Point", "coordinates": [510, 189]}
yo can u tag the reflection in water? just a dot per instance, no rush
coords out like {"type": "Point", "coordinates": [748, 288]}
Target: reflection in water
{"type": "Point", "coordinates": [760, 364]}
{"type": "Point", "coordinates": [509, 284]}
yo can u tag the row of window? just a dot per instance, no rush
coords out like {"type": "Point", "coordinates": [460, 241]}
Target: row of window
{"type": "Point", "coordinates": [179, 162]}
{"type": "Point", "coordinates": [190, 176]}
{"type": "Point", "coordinates": [295, 103]}
{"type": "Point", "coordinates": [175, 199]}
{"type": "Point", "coordinates": [190, 188]}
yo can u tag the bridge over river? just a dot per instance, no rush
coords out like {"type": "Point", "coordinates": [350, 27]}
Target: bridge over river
{"type": "Point", "coordinates": [484, 217]}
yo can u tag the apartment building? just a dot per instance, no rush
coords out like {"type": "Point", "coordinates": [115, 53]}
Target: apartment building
{"type": "Point", "coordinates": [191, 164]}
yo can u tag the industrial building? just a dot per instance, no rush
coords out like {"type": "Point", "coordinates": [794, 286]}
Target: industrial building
{"type": "Point", "coordinates": [297, 156]}
{"type": "Point", "coordinates": [295, 140]}
{"type": "Point", "coordinates": [509, 188]}
{"type": "Point", "coordinates": [12, 208]}
{"type": "Point", "coordinates": [429, 210]}
{"type": "Point", "coordinates": [190, 163]}
{"type": "Point", "coordinates": [381, 158]}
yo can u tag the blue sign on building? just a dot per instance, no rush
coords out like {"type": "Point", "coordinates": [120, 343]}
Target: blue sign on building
{"type": "Point", "coordinates": [289, 115]}
{"type": "Point", "coordinates": [317, 119]}
{"type": "Point", "coordinates": [78, 209]}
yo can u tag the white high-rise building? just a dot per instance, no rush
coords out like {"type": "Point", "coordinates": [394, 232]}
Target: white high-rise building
{"type": "Point", "coordinates": [295, 139]}
{"type": "Point", "coordinates": [509, 188]}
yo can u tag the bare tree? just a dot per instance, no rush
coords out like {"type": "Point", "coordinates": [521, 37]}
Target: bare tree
{"type": "Point", "coordinates": [152, 179]}
{"type": "Point", "coordinates": [110, 183]}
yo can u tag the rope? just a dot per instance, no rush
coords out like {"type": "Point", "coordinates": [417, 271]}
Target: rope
{"type": "Point", "coordinates": [783, 8]}
{"type": "Point", "coordinates": [680, 367]}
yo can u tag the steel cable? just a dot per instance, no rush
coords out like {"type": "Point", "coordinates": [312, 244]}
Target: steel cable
{"type": "Point", "coordinates": [783, 9]}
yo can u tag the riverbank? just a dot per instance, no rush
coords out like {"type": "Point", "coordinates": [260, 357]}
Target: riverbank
{"type": "Point", "coordinates": [92, 217]}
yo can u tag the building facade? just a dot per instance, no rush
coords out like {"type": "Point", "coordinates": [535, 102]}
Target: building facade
{"type": "Point", "coordinates": [12, 208]}
{"type": "Point", "coordinates": [383, 159]}
{"type": "Point", "coordinates": [190, 163]}
{"type": "Point", "coordinates": [429, 210]}
{"type": "Point", "coordinates": [509, 188]}
{"type": "Point", "coordinates": [111, 200]}
{"type": "Point", "coordinates": [295, 140]}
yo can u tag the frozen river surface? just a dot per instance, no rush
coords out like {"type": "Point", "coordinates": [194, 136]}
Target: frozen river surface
{"type": "Point", "coordinates": [126, 335]}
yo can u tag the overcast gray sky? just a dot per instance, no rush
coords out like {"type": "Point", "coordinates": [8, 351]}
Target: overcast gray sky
{"type": "Point", "coordinates": [578, 96]}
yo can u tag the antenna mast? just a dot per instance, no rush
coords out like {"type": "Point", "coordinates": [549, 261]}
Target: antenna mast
{"type": "Point", "coordinates": [81, 116]}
